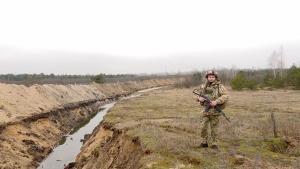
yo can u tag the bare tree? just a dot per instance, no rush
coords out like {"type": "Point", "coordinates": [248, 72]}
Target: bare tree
{"type": "Point", "coordinates": [273, 60]}
{"type": "Point", "coordinates": [281, 61]}
{"type": "Point", "coordinates": [276, 62]}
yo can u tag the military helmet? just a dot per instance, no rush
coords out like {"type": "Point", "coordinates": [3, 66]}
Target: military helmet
{"type": "Point", "coordinates": [211, 72]}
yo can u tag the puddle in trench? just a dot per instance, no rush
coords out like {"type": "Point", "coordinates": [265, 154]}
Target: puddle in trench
{"type": "Point", "coordinates": [70, 145]}
{"type": "Point", "coordinates": [66, 153]}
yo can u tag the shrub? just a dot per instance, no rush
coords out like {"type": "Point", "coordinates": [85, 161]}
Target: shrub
{"type": "Point", "coordinates": [268, 80]}
{"type": "Point", "coordinates": [293, 77]}
{"type": "Point", "coordinates": [240, 82]}
{"type": "Point", "coordinates": [277, 82]}
{"type": "Point", "coordinates": [99, 78]}
{"type": "Point", "coordinates": [251, 84]}
{"type": "Point", "coordinates": [196, 78]}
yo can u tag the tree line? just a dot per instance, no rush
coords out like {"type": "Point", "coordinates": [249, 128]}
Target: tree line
{"type": "Point", "coordinates": [250, 79]}
{"type": "Point", "coordinates": [30, 79]}
{"type": "Point", "coordinates": [238, 79]}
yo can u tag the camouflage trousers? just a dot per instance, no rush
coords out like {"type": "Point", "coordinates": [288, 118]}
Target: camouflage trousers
{"type": "Point", "coordinates": [213, 122]}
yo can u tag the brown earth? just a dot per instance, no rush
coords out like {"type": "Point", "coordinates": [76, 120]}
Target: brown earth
{"type": "Point", "coordinates": [110, 148]}
{"type": "Point", "coordinates": [25, 144]}
{"type": "Point", "coordinates": [34, 119]}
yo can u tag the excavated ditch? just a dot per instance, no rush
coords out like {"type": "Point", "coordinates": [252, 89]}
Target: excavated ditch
{"type": "Point", "coordinates": [26, 143]}
{"type": "Point", "coordinates": [70, 147]}
{"type": "Point", "coordinates": [109, 147]}
{"type": "Point", "coordinates": [66, 153]}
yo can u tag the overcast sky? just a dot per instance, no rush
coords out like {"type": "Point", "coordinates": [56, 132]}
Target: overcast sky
{"type": "Point", "coordinates": [79, 37]}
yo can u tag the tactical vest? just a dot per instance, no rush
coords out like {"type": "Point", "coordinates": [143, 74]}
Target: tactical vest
{"type": "Point", "coordinates": [213, 92]}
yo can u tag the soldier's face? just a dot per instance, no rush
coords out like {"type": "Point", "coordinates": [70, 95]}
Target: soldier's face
{"type": "Point", "coordinates": [211, 78]}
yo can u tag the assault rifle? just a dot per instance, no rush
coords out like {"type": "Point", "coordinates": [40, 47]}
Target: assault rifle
{"type": "Point", "coordinates": [208, 102]}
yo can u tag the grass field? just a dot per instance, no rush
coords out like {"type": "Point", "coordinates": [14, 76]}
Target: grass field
{"type": "Point", "coordinates": [168, 122]}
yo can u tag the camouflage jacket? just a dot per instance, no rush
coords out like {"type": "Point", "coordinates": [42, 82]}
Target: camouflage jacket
{"type": "Point", "coordinates": [216, 92]}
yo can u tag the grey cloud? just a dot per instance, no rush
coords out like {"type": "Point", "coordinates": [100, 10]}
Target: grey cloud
{"type": "Point", "coordinates": [14, 60]}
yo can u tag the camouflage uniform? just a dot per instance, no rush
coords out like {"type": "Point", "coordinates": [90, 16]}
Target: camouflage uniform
{"type": "Point", "coordinates": [215, 91]}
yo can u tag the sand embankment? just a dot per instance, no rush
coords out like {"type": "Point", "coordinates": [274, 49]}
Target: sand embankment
{"type": "Point", "coordinates": [34, 119]}
{"type": "Point", "coordinates": [18, 101]}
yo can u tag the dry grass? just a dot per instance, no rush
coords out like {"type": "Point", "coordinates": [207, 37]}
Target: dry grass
{"type": "Point", "coordinates": [168, 125]}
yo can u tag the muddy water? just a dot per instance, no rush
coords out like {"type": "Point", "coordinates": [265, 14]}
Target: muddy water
{"type": "Point", "coordinates": [66, 153]}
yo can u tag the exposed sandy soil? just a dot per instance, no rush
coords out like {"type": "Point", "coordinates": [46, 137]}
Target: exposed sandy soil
{"type": "Point", "coordinates": [110, 148]}
{"type": "Point", "coordinates": [24, 145]}
{"type": "Point", "coordinates": [18, 101]}
{"type": "Point", "coordinates": [34, 119]}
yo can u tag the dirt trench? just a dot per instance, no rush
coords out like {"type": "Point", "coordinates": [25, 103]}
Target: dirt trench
{"type": "Point", "coordinates": [27, 139]}
{"type": "Point", "coordinates": [26, 143]}
{"type": "Point", "coordinates": [109, 147]}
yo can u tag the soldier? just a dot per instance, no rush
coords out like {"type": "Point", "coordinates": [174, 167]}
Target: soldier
{"type": "Point", "coordinates": [217, 93]}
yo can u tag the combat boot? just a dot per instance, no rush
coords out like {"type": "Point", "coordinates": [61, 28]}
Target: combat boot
{"type": "Point", "coordinates": [203, 145]}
